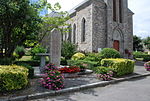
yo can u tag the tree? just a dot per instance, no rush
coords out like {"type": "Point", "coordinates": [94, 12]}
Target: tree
{"type": "Point", "coordinates": [137, 43]}
{"type": "Point", "coordinates": [147, 42]}
{"type": "Point", "coordinates": [21, 24]}
{"type": "Point", "coordinates": [19, 21]}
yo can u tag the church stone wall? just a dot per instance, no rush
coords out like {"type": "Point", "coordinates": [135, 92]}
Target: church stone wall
{"type": "Point", "coordinates": [100, 29]}
{"type": "Point", "coordinates": [85, 13]}
{"type": "Point", "coordinates": [99, 25]}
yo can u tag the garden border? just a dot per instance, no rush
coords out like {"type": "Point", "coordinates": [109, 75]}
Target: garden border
{"type": "Point", "coordinates": [73, 89]}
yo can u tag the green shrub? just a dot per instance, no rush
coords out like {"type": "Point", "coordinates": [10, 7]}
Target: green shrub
{"type": "Point", "coordinates": [19, 52]}
{"type": "Point", "coordinates": [138, 54]}
{"type": "Point", "coordinates": [30, 69]}
{"type": "Point", "coordinates": [63, 61]}
{"type": "Point", "coordinates": [68, 49]}
{"type": "Point", "coordinates": [146, 57]}
{"type": "Point", "coordinates": [78, 56]}
{"type": "Point", "coordinates": [102, 70]}
{"type": "Point", "coordinates": [93, 57]}
{"type": "Point", "coordinates": [6, 61]}
{"type": "Point", "coordinates": [37, 49]}
{"type": "Point", "coordinates": [110, 53]}
{"type": "Point", "coordinates": [30, 62]}
{"type": "Point", "coordinates": [120, 66]}
{"type": "Point", "coordinates": [13, 77]}
{"type": "Point", "coordinates": [90, 64]}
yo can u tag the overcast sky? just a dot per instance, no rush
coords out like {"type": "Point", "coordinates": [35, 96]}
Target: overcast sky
{"type": "Point", "coordinates": [141, 8]}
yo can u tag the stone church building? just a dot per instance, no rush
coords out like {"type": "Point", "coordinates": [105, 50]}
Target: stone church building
{"type": "Point", "coordinates": [97, 24]}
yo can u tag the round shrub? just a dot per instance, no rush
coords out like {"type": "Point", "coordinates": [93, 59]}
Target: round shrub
{"type": "Point", "coordinates": [30, 69]}
{"type": "Point", "coordinates": [110, 53]}
{"type": "Point", "coordinates": [13, 77]}
{"type": "Point", "coordinates": [78, 56]}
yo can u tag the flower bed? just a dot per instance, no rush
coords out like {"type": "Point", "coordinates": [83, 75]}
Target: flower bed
{"type": "Point", "coordinates": [147, 66]}
{"type": "Point", "coordinates": [70, 69]}
{"type": "Point", "coordinates": [53, 78]}
{"type": "Point", "coordinates": [104, 73]}
{"type": "Point", "coordinates": [70, 72]}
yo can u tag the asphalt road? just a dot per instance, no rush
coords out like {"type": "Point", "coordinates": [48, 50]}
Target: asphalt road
{"type": "Point", "coordinates": [133, 90]}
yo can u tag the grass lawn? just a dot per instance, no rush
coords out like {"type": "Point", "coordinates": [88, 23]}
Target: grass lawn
{"type": "Point", "coordinates": [139, 59]}
{"type": "Point", "coordinates": [28, 58]}
{"type": "Point", "coordinates": [25, 58]}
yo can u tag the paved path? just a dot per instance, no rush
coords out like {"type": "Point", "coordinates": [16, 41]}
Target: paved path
{"type": "Point", "coordinates": [135, 90]}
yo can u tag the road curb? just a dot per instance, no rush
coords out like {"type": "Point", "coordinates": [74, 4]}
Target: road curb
{"type": "Point", "coordinates": [73, 89]}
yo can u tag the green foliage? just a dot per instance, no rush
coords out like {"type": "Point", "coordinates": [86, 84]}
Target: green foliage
{"type": "Point", "coordinates": [63, 61]}
{"type": "Point", "coordinates": [30, 62]}
{"type": "Point", "coordinates": [37, 49]}
{"type": "Point", "coordinates": [110, 53]}
{"type": "Point", "coordinates": [93, 57]}
{"type": "Point", "coordinates": [147, 42]}
{"type": "Point", "coordinates": [19, 52]}
{"type": "Point", "coordinates": [120, 66]}
{"type": "Point", "coordinates": [19, 21]}
{"type": "Point", "coordinates": [6, 61]}
{"type": "Point", "coordinates": [78, 56]}
{"type": "Point", "coordinates": [90, 64]}
{"type": "Point", "coordinates": [146, 57]}
{"type": "Point", "coordinates": [13, 77]}
{"type": "Point", "coordinates": [102, 70]}
{"type": "Point", "coordinates": [30, 69]}
{"type": "Point", "coordinates": [104, 73]}
{"type": "Point", "coordinates": [68, 49]}
{"type": "Point", "coordinates": [137, 43]}
{"type": "Point", "coordinates": [138, 54]}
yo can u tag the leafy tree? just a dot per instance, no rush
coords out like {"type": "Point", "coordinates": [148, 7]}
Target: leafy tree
{"type": "Point", "coordinates": [147, 42]}
{"type": "Point", "coordinates": [19, 21]}
{"type": "Point", "coordinates": [137, 43]}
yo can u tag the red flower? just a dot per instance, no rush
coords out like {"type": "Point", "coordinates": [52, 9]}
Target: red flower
{"type": "Point", "coordinates": [71, 69]}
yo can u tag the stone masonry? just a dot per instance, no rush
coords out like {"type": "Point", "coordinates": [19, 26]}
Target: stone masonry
{"type": "Point", "coordinates": [101, 30]}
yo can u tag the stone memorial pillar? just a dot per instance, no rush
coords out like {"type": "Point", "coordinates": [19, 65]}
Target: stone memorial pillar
{"type": "Point", "coordinates": [55, 47]}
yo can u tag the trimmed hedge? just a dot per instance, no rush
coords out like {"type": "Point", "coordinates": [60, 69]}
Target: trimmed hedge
{"type": "Point", "coordinates": [120, 66]}
{"type": "Point", "coordinates": [13, 77]}
{"type": "Point", "coordinates": [30, 69]}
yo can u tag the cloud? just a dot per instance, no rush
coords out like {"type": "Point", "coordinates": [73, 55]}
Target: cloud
{"type": "Point", "coordinates": [141, 18]}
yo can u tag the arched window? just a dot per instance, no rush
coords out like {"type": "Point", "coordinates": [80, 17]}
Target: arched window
{"type": "Point", "coordinates": [74, 33]}
{"type": "Point", "coordinates": [69, 33]}
{"type": "Point", "coordinates": [114, 11]}
{"type": "Point", "coordinates": [83, 30]}
{"type": "Point", "coordinates": [120, 11]}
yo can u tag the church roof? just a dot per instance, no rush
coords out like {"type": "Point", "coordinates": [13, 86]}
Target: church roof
{"type": "Point", "coordinates": [82, 5]}
{"type": "Point", "coordinates": [73, 10]}
{"type": "Point", "coordinates": [130, 11]}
